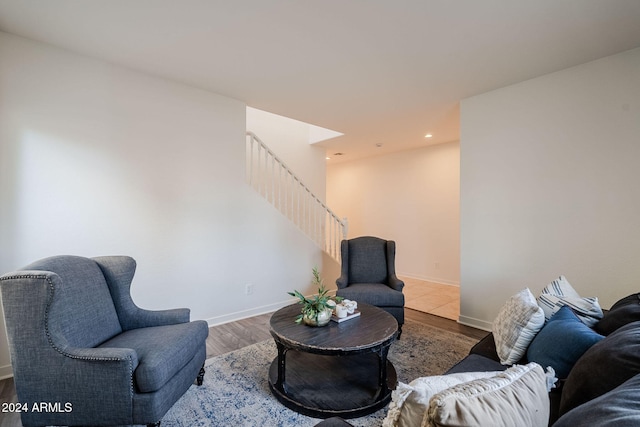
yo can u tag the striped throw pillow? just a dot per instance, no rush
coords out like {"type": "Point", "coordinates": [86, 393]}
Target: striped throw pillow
{"type": "Point", "coordinates": [560, 293]}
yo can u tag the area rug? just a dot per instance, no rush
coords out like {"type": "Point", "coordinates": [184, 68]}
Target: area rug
{"type": "Point", "coordinates": [236, 391]}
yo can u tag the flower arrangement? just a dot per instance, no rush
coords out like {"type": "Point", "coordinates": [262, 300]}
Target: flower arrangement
{"type": "Point", "coordinates": [317, 309]}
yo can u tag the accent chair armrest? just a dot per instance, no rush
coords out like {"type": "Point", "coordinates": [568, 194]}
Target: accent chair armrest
{"type": "Point", "coordinates": [111, 371]}
{"type": "Point", "coordinates": [147, 318]}
{"type": "Point", "coordinates": [395, 283]}
{"type": "Point", "coordinates": [54, 378]}
{"type": "Point", "coordinates": [102, 354]}
{"type": "Point", "coordinates": [118, 272]}
{"type": "Point", "coordinates": [342, 282]}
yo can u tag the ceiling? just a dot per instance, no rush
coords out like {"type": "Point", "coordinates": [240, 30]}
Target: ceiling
{"type": "Point", "coordinates": [383, 72]}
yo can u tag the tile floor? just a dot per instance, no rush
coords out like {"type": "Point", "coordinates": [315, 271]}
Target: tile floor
{"type": "Point", "coordinates": [434, 298]}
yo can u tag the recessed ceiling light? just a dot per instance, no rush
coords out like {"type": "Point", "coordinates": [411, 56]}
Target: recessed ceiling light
{"type": "Point", "coordinates": [428, 135]}
{"type": "Point", "coordinates": [328, 158]}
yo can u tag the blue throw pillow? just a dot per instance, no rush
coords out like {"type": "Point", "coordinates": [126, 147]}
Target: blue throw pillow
{"type": "Point", "coordinates": [561, 342]}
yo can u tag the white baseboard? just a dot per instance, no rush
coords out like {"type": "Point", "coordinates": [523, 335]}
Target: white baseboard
{"type": "Point", "coordinates": [256, 311]}
{"type": "Point", "coordinates": [476, 323]}
{"type": "Point", "coordinates": [6, 372]}
{"type": "Point", "coordinates": [437, 280]}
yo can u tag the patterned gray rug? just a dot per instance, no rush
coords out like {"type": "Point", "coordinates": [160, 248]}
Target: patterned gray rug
{"type": "Point", "coordinates": [236, 391]}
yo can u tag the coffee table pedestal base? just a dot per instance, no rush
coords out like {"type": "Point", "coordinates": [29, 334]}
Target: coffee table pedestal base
{"type": "Point", "coordinates": [324, 386]}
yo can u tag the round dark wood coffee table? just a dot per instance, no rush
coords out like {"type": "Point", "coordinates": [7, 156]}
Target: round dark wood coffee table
{"type": "Point", "coordinates": [336, 370]}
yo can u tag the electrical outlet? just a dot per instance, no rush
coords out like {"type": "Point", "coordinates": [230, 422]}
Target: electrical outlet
{"type": "Point", "coordinates": [248, 289]}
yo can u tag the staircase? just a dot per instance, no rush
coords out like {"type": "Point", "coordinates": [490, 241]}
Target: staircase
{"type": "Point", "coordinates": [270, 177]}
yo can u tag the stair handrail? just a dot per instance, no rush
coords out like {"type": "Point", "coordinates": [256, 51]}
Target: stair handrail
{"type": "Point", "coordinates": [328, 240]}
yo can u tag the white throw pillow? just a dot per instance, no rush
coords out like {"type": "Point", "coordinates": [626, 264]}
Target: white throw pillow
{"type": "Point", "coordinates": [409, 402]}
{"type": "Point", "coordinates": [517, 324]}
{"type": "Point", "coordinates": [560, 293]}
{"type": "Point", "coordinates": [515, 397]}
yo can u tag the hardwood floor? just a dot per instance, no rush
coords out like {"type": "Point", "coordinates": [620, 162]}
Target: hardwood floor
{"type": "Point", "coordinates": [443, 323]}
{"type": "Point", "coordinates": [8, 395]}
{"type": "Point", "coordinates": [234, 335]}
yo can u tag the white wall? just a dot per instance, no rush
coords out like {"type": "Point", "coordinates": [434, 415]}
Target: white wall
{"type": "Point", "coordinates": [411, 197]}
{"type": "Point", "coordinates": [96, 160]}
{"type": "Point", "coordinates": [550, 186]}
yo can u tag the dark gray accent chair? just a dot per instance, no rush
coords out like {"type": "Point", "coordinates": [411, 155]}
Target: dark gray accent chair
{"type": "Point", "coordinates": [368, 275]}
{"type": "Point", "coordinates": [76, 337]}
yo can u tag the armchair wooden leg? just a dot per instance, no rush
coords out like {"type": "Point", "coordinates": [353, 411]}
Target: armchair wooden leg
{"type": "Point", "coordinates": [200, 378]}
{"type": "Point", "coordinates": [399, 332]}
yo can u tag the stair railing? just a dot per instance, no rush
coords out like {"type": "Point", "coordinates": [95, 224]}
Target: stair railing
{"type": "Point", "coordinates": [273, 179]}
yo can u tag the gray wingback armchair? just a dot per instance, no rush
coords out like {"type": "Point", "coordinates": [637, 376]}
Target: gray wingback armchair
{"type": "Point", "coordinates": [368, 274]}
{"type": "Point", "coordinates": [77, 339]}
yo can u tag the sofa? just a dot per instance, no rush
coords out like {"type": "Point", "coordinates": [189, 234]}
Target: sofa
{"type": "Point", "coordinates": [567, 372]}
